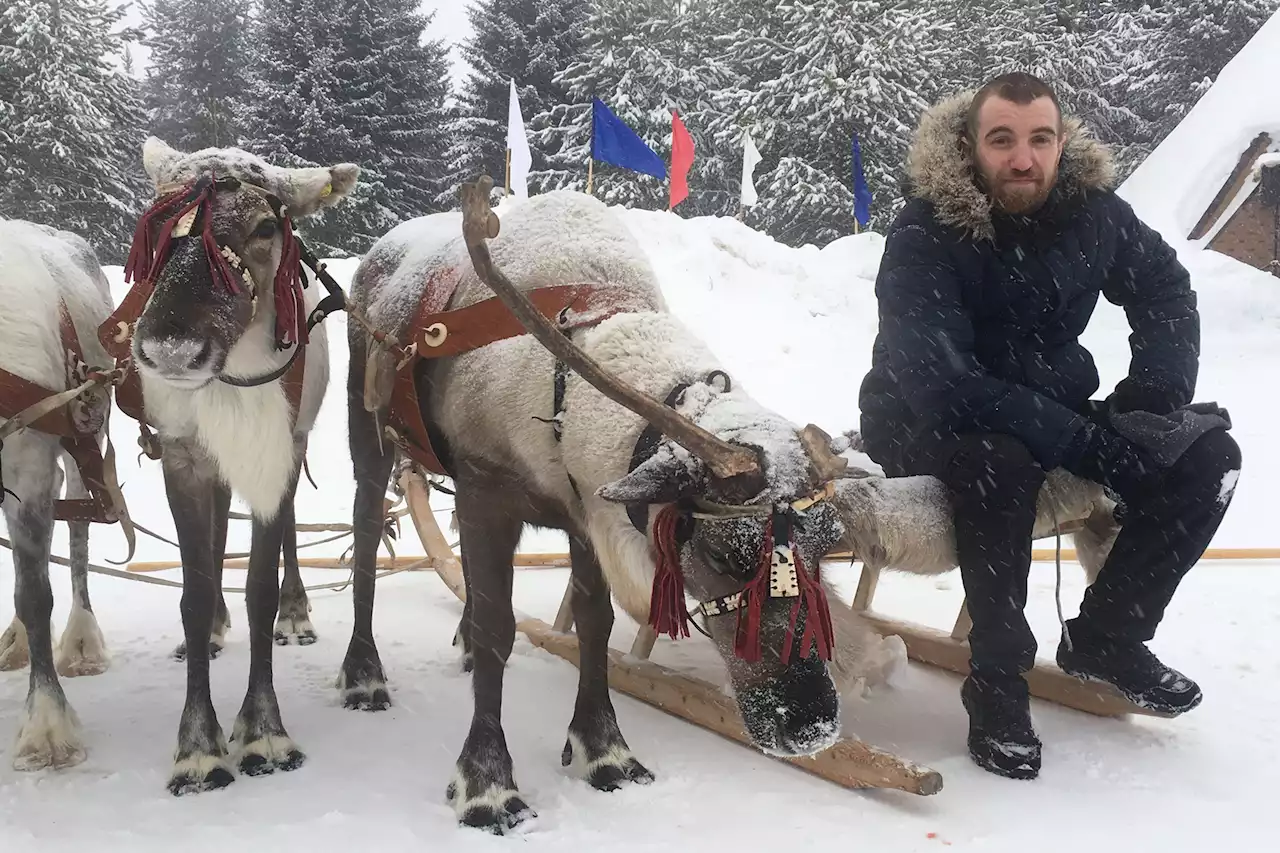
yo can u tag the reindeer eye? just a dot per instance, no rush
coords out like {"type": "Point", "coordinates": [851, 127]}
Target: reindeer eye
{"type": "Point", "coordinates": [720, 561]}
{"type": "Point", "coordinates": [266, 229]}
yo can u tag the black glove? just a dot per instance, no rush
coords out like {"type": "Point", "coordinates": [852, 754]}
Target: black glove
{"type": "Point", "coordinates": [1097, 454]}
{"type": "Point", "coordinates": [1133, 396]}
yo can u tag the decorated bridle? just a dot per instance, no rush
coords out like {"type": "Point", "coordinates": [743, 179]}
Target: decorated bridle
{"type": "Point", "coordinates": [185, 211]}
{"type": "Point", "coordinates": [780, 570]}
{"type": "Point", "coordinates": [780, 573]}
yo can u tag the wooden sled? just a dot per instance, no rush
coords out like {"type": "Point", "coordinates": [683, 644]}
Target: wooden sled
{"type": "Point", "coordinates": [950, 651]}
{"type": "Point", "coordinates": [849, 763]}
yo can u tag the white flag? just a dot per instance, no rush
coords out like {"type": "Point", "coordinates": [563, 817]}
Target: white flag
{"type": "Point", "coordinates": [750, 159]}
{"type": "Point", "coordinates": [518, 145]}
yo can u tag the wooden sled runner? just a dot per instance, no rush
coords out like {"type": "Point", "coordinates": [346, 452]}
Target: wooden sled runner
{"type": "Point", "coordinates": [849, 763]}
{"type": "Point", "coordinates": [950, 651]}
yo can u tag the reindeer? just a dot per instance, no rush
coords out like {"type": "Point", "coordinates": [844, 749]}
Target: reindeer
{"type": "Point", "coordinates": [710, 493]}
{"type": "Point", "coordinates": [54, 296]}
{"type": "Point", "coordinates": [232, 376]}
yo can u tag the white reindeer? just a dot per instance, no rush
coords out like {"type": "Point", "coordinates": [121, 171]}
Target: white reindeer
{"type": "Point", "coordinates": [41, 270]}
{"type": "Point", "coordinates": [221, 325]}
{"type": "Point", "coordinates": [690, 500]}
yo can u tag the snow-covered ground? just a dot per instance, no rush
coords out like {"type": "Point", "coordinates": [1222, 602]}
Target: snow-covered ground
{"type": "Point", "coordinates": [795, 327]}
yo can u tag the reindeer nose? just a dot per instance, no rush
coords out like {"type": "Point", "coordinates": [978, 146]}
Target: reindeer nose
{"type": "Point", "coordinates": [176, 357]}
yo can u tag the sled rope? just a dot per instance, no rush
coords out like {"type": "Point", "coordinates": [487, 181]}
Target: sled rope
{"type": "Point", "coordinates": [131, 576]}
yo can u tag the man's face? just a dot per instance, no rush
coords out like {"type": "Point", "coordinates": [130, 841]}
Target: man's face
{"type": "Point", "coordinates": [1018, 150]}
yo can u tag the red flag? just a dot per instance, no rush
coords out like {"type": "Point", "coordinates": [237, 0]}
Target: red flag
{"type": "Point", "coordinates": [681, 160]}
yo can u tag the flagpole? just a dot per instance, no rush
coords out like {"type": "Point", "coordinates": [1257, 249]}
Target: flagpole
{"type": "Point", "coordinates": [508, 171]}
{"type": "Point", "coordinates": [590, 156]}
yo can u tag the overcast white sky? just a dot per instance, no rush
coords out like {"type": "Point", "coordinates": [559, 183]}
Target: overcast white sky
{"type": "Point", "coordinates": [450, 23]}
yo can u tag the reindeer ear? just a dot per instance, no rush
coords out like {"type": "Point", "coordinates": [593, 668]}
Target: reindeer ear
{"type": "Point", "coordinates": [662, 478]}
{"type": "Point", "coordinates": [158, 159]}
{"type": "Point", "coordinates": [306, 191]}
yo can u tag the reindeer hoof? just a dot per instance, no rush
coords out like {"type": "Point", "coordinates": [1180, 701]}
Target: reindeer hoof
{"type": "Point", "coordinates": [199, 773]}
{"type": "Point", "coordinates": [182, 784]}
{"type": "Point", "coordinates": [215, 649]}
{"type": "Point", "coordinates": [366, 699]}
{"type": "Point", "coordinates": [13, 647]}
{"type": "Point", "coordinates": [610, 771]}
{"type": "Point", "coordinates": [295, 632]}
{"type": "Point", "coordinates": [269, 754]}
{"type": "Point", "coordinates": [497, 812]}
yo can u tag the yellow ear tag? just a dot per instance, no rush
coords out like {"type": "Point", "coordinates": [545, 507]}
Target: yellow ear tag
{"type": "Point", "coordinates": [327, 191]}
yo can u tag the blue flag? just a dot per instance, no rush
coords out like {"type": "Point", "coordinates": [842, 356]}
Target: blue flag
{"type": "Point", "coordinates": [861, 192]}
{"type": "Point", "coordinates": [614, 142]}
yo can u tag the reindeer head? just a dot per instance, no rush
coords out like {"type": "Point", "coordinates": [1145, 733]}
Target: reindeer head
{"type": "Point", "coordinates": [218, 254]}
{"type": "Point", "coordinates": [737, 516]}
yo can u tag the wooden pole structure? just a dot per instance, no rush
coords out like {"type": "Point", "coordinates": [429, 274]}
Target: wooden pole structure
{"type": "Point", "coordinates": [591, 171]}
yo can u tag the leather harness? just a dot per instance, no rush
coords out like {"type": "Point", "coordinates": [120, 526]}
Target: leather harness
{"type": "Point", "coordinates": [76, 425]}
{"type": "Point", "coordinates": [115, 334]}
{"type": "Point", "coordinates": [438, 333]}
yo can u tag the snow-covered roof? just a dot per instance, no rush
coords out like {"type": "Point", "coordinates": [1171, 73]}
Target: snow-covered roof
{"type": "Point", "coordinates": [1269, 158]}
{"type": "Point", "coordinates": [1174, 186]}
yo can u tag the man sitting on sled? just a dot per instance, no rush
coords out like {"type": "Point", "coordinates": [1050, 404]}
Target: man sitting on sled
{"type": "Point", "coordinates": [989, 277]}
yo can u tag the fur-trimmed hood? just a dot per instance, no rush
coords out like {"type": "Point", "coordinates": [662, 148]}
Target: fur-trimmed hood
{"type": "Point", "coordinates": [941, 171]}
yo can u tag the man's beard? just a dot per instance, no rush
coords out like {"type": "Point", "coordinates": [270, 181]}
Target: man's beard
{"type": "Point", "coordinates": [1021, 198]}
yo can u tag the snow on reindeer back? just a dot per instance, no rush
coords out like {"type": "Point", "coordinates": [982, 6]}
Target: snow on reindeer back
{"type": "Point", "coordinates": [563, 237]}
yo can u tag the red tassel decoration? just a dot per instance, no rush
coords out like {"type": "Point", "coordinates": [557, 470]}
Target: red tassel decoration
{"type": "Point", "coordinates": [142, 253]}
{"type": "Point", "coordinates": [817, 623]}
{"type": "Point", "coordinates": [667, 612]}
{"type": "Point", "coordinates": [751, 611]}
{"type": "Point", "coordinates": [291, 326]}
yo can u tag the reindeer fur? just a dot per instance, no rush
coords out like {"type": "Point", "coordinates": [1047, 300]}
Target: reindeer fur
{"type": "Point", "coordinates": [904, 523]}
{"type": "Point", "coordinates": [490, 408]}
{"type": "Point", "coordinates": [219, 439]}
{"type": "Point", "coordinates": [38, 267]}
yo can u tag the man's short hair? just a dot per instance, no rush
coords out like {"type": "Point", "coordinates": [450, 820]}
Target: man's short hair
{"type": "Point", "coordinates": [1017, 86]}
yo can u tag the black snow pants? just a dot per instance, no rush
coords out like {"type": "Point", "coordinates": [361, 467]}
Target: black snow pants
{"type": "Point", "coordinates": [993, 481]}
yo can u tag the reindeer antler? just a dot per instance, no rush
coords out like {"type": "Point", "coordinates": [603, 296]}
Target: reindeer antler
{"type": "Point", "coordinates": [479, 224]}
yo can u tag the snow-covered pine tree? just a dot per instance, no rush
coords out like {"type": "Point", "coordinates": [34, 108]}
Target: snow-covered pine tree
{"type": "Point", "coordinates": [529, 41]}
{"type": "Point", "coordinates": [70, 122]}
{"type": "Point", "coordinates": [407, 76]}
{"type": "Point", "coordinates": [196, 77]}
{"type": "Point", "coordinates": [840, 66]}
{"type": "Point", "coordinates": [644, 59]}
{"type": "Point", "coordinates": [1088, 51]}
{"type": "Point", "coordinates": [351, 81]}
{"type": "Point", "coordinates": [1196, 39]}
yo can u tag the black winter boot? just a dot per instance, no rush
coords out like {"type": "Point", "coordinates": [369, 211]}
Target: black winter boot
{"type": "Point", "coordinates": [1001, 738]}
{"type": "Point", "coordinates": [1132, 669]}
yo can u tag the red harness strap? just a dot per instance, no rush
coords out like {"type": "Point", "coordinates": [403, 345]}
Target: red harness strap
{"type": "Point", "coordinates": [116, 337]}
{"type": "Point", "coordinates": [75, 424]}
{"type": "Point", "coordinates": [435, 333]}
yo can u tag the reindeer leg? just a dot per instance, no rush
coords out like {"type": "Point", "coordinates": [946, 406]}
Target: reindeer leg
{"type": "Point", "coordinates": [221, 615]}
{"type": "Point", "coordinates": [82, 651]}
{"type": "Point", "coordinates": [49, 734]}
{"type": "Point", "coordinates": [263, 745]}
{"type": "Point", "coordinates": [362, 681]}
{"type": "Point", "coordinates": [483, 791]}
{"type": "Point", "coordinates": [200, 761]}
{"type": "Point", "coordinates": [294, 622]}
{"type": "Point", "coordinates": [595, 747]}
